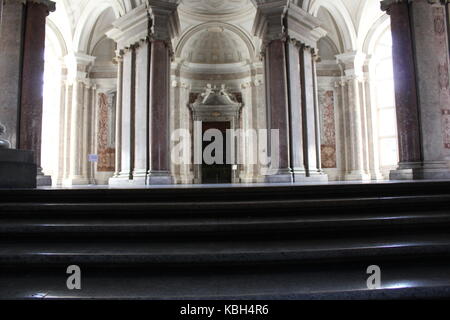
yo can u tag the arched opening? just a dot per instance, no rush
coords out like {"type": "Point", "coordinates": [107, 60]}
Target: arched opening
{"type": "Point", "coordinates": [51, 116]}
{"type": "Point", "coordinates": [384, 97]}
{"type": "Point", "coordinates": [220, 57]}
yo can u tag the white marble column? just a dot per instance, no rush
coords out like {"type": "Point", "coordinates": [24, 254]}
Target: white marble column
{"type": "Point", "coordinates": [374, 165]}
{"type": "Point", "coordinates": [141, 113]}
{"type": "Point", "coordinates": [296, 97]}
{"type": "Point", "coordinates": [118, 158]}
{"type": "Point", "coordinates": [77, 126]}
{"type": "Point", "coordinates": [127, 124]}
{"type": "Point", "coordinates": [354, 115]}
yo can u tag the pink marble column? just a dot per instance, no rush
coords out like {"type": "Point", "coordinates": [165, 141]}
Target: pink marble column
{"type": "Point", "coordinates": [159, 153]}
{"type": "Point", "coordinates": [405, 84]}
{"type": "Point", "coordinates": [32, 79]}
{"type": "Point", "coordinates": [278, 107]}
{"type": "Point", "coordinates": [421, 67]}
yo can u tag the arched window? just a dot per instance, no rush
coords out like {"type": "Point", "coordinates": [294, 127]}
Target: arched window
{"type": "Point", "coordinates": [385, 101]}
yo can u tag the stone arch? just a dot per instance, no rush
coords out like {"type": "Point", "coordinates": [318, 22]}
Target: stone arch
{"type": "Point", "coordinates": [87, 21]}
{"type": "Point", "coordinates": [57, 35]}
{"type": "Point", "coordinates": [184, 40]}
{"type": "Point", "coordinates": [341, 16]}
{"type": "Point", "coordinates": [376, 30]}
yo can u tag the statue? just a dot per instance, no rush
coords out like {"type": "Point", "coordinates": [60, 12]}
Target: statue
{"type": "Point", "coordinates": [4, 144]}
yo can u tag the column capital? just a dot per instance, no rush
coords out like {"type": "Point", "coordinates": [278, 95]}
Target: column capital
{"type": "Point", "coordinates": [49, 4]}
{"type": "Point", "coordinates": [282, 19]}
{"type": "Point", "coordinates": [77, 65]}
{"type": "Point", "coordinates": [154, 19]}
{"type": "Point", "coordinates": [353, 63]}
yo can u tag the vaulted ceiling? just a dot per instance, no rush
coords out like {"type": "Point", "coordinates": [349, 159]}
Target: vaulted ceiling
{"type": "Point", "coordinates": [80, 24]}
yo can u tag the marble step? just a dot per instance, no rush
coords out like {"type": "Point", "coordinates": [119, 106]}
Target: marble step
{"type": "Point", "coordinates": [300, 225]}
{"type": "Point", "coordinates": [220, 193]}
{"type": "Point", "coordinates": [229, 208]}
{"type": "Point", "coordinates": [328, 281]}
{"type": "Point", "coordinates": [376, 248]}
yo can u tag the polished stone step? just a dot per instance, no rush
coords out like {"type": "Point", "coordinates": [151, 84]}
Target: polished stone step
{"type": "Point", "coordinates": [300, 225]}
{"type": "Point", "coordinates": [233, 252]}
{"type": "Point", "coordinates": [229, 208]}
{"type": "Point", "coordinates": [236, 243]}
{"type": "Point", "coordinates": [410, 280]}
{"type": "Point", "coordinates": [233, 193]}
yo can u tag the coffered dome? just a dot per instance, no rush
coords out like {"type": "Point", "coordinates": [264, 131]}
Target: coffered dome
{"type": "Point", "coordinates": [215, 45]}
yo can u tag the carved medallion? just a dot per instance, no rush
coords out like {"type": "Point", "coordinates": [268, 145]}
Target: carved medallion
{"type": "Point", "coordinates": [443, 76]}
{"type": "Point", "coordinates": [439, 21]}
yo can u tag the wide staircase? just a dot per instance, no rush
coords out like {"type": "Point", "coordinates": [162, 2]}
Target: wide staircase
{"type": "Point", "coordinates": [280, 242]}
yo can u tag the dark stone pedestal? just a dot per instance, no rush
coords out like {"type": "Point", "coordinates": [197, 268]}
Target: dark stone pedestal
{"type": "Point", "coordinates": [17, 169]}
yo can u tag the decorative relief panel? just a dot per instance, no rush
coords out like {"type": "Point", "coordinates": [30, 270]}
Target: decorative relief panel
{"type": "Point", "coordinates": [328, 129]}
{"type": "Point", "coordinates": [105, 136]}
{"type": "Point", "coordinates": [446, 127]}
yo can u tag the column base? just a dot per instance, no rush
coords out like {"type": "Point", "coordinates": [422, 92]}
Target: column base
{"type": "Point", "coordinates": [357, 176]}
{"type": "Point", "coordinates": [283, 176]}
{"type": "Point", "coordinates": [299, 175]}
{"type": "Point", "coordinates": [139, 178]}
{"type": "Point", "coordinates": [376, 175]}
{"type": "Point", "coordinates": [17, 169]}
{"type": "Point", "coordinates": [76, 181]}
{"type": "Point", "coordinates": [159, 178]}
{"type": "Point", "coordinates": [119, 181]}
{"type": "Point", "coordinates": [43, 181]}
{"type": "Point", "coordinates": [431, 170]}
{"type": "Point", "coordinates": [316, 177]}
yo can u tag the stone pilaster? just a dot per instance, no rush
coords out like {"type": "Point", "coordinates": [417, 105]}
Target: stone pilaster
{"type": "Point", "coordinates": [421, 60]}
{"type": "Point", "coordinates": [290, 36]}
{"type": "Point", "coordinates": [354, 115]}
{"type": "Point", "coordinates": [182, 172]}
{"type": "Point", "coordinates": [253, 101]}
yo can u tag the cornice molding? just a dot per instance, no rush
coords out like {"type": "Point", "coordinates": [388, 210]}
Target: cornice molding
{"type": "Point", "coordinates": [284, 20]}
{"type": "Point", "coordinates": [386, 4]}
{"type": "Point", "coordinates": [49, 4]}
{"type": "Point", "coordinates": [153, 20]}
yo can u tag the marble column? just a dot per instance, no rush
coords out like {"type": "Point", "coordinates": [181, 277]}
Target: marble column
{"type": "Point", "coordinates": [78, 110]}
{"type": "Point", "coordinates": [290, 36]}
{"type": "Point", "coordinates": [310, 116]}
{"type": "Point", "coordinates": [127, 123]}
{"type": "Point", "coordinates": [352, 63]}
{"type": "Point", "coordinates": [145, 82]}
{"type": "Point", "coordinates": [11, 39]}
{"type": "Point", "coordinates": [278, 109]}
{"type": "Point", "coordinates": [297, 97]}
{"type": "Point", "coordinates": [159, 151]}
{"type": "Point", "coordinates": [421, 59]}
{"type": "Point", "coordinates": [141, 113]}
{"type": "Point", "coordinates": [118, 138]}
{"type": "Point", "coordinates": [22, 44]}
